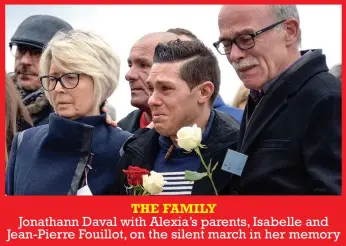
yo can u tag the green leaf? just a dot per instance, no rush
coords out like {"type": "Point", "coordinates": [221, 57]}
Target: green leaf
{"type": "Point", "coordinates": [209, 166]}
{"type": "Point", "coordinates": [217, 163]}
{"type": "Point", "coordinates": [193, 176]}
{"type": "Point", "coordinates": [202, 146]}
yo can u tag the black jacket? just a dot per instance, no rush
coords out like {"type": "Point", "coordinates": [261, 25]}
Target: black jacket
{"type": "Point", "coordinates": [131, 122]}
{"type": "Point", "coordinates": [142, 149]}
{"type": "Point", "coordinates": [293, 138]}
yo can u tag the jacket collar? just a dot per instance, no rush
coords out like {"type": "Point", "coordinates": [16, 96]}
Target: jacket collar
{"type": "Point", "coordinates": [72, 135]}
{"type": "Point", "coordinates": [286, 85]}
{"type": "Point", "coordinates": [146, 146]}
{"type": "Point", "coordinates": [221, 134]}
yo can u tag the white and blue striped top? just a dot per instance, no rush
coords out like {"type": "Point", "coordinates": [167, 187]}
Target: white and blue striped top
{"type": "Point", "coordinates": [176, 184]}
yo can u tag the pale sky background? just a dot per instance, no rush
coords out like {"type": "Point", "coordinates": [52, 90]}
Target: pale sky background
{"type": "Point", "coordinates": [122, 25]}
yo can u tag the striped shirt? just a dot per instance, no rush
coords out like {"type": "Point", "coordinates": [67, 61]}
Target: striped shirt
{"type": "Point", "coordinates": [176, 184]}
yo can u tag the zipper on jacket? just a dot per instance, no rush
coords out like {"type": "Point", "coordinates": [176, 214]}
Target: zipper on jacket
{"type": "Point", "coordinates": [87, 168]}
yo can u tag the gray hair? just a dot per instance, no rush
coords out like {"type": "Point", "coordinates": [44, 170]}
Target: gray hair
{"type": "Point", "coordinates": [283, 12]}
{"type": "Point", "coordinates": [84, 52]}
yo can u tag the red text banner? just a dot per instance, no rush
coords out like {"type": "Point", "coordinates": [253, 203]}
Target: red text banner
{"type": "Point", "coordinates": [203, 220]}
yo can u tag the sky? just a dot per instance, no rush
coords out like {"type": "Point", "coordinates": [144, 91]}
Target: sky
{"type": "Point", "coordinates": [122, 25]}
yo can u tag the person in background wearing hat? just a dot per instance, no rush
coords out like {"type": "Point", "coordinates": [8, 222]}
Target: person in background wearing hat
{"type": "Point", "coordinates": [26, 46]}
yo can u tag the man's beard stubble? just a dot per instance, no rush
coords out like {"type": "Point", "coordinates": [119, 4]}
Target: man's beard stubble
{"type": "Point", "coordinates": [30, 80]}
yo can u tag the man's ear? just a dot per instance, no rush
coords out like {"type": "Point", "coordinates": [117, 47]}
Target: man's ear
{"type": "Point", "coordinates": [206, 90]}
{"type": "Point", "coordinates": [291, 27]}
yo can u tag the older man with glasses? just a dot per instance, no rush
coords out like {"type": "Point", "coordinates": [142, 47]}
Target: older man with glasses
{"type": "Point", "coordinates": [291, 129]}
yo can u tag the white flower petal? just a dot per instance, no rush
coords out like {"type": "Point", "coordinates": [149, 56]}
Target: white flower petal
{"type": "Point", "coordinates": [189, 137]}
{"type": "Point", "coordinates": [153, 183]}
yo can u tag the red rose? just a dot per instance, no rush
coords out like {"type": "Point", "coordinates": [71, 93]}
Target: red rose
{"type": "Point", "coordinates": [134, 175]}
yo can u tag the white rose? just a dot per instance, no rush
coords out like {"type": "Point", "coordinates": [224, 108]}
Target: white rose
{"type": "Point", "coordinates": [189, 137]}
{"type": "Point", "coordinates": [153, 183]}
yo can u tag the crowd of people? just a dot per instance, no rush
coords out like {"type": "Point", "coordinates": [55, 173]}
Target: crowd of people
{"type": "Point", "coordinates": [285, 118]}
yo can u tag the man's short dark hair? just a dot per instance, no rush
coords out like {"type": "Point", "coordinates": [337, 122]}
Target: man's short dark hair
{"type": "Point", "coordinates": [182, 31]}
{"type": "Point", "coordinates": [201, 64]}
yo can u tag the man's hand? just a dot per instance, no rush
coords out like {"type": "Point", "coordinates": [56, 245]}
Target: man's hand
{"type": "Point", "coordinates": [109, 120]}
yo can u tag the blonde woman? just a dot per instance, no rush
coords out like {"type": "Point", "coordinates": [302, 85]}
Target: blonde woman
{"type": "Point", "coordinates": [77, 152]}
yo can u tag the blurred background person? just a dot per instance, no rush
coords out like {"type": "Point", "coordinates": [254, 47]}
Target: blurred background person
{"type": "Point", "coordinates": [219, 104]}
{"type": "Point", "coordinates": [183, 34]}
{"type": "Point", "coordinates": [76, 153]}
{"type": "Point", "coordinates": [14, 109]}
{"type": "Point", "coordinates": [26, 46]}
{"type": "Point", "coordinates": [336, 71]}
{"type": "Point", "coordinates": [241, 97]}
